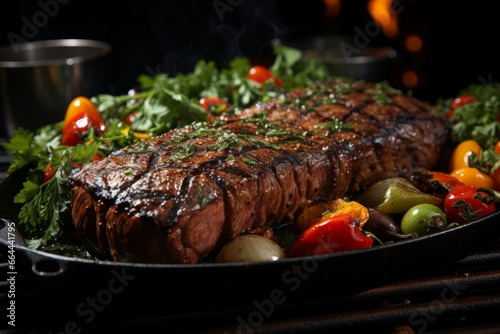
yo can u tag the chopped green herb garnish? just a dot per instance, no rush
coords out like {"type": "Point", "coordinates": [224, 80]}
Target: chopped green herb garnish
{"type": "Point", "coordinates": [381, 98]}
{"type": "Point", "coordinates": [334, 125]}
{"type": "Point", "coordinates": [185, 151]}
{"type": "Point", "coordinates": [385, 86]}
{"type": "Point", "coordinates": [249, 161]}
{"type": "Point", "coordinates": [344, 88]}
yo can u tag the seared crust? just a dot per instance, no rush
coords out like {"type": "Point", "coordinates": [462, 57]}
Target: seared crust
{"type": "Point", "coordinates": [177, 197]}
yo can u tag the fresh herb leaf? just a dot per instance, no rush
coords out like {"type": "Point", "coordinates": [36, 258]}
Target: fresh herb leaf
{"type": "Point", "coordinates": [381, 98]}
{"type": "Point", "coordinates": [343, 88]}
{"type": "Point", "coordinates": [478, 121]}
{"type": "Point", "coordinates": [334, 125]}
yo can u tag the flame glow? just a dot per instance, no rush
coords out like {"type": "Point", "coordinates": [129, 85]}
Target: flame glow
{"type": "Point", "coordinates": [413, 43]}
{"type": "Point", "coordinates": [410, 79]}
{"type": "Point", "coordinates": [380, 11]}
{"type": "Point", "coordinates": [332, 8]}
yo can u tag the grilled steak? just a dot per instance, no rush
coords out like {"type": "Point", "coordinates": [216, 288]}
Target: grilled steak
{"type": "Point", "coordinates": [178, 197]}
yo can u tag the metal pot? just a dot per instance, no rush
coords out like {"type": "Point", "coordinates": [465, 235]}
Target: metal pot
{"type": "Point", "coordinates": [345, 58]}
{"type": "Point", "coordinates": [39, 79]}
{"type": "Point", "coordinates": [369, 64]}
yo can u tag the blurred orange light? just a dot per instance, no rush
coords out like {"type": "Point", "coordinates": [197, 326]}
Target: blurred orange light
{"type": "Point", "coordinates": [410, 79]}
{"type": "Point", "coordinates": [380, 11]}
{"type": "Point", "coordinates": [332, 8]}
{"type": "Point", "coordinates": [413, 43]}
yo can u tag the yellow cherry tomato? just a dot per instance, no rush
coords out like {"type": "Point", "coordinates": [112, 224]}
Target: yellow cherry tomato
{"type": "Point", "coordinates": [473, 176]}
{"type": "Point", "coordinates": [460, 156]}
{"type": "Point", "coordinates": [79, 106]}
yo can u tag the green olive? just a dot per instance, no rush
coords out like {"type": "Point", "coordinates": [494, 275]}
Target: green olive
{"type": "Point", "coordinates": [423, 219]}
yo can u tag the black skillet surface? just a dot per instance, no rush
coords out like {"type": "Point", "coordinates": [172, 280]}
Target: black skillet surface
{"type": "Point", "coordinates": [61, 290]}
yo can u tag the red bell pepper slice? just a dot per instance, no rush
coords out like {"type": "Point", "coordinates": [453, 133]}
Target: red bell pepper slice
{"type": "Point", "coordinates": [334, 234]}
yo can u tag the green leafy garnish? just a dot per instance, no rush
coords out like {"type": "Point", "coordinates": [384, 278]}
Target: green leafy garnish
{"type": "Point", "coordinates": [334, 125]}
{"type": "Point", "coordinates": [478, 121]}
{"type": "Point", "coordinates": [381, 98]}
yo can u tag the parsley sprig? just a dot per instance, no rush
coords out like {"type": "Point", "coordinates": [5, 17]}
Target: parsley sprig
{"type": "Point", "coordinates": [478, 121]}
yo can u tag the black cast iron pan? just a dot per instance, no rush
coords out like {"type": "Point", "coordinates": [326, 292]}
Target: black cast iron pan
{"type": "Point", "coordinates": [67, 285]}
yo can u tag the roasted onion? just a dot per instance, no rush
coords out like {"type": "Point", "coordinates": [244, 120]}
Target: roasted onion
{"type": "Point", "coordinates": [250, 248]}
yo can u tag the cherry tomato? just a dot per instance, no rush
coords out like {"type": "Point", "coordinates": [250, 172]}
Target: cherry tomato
{"type": "Point", "coordinates": [214, 104]}
{"type": "Point", "coordinates": [79, 107]}
{"type": "Point", "coordinates": [75, 134]}
{"type": "Point", "coordinates": [459, 101]}
{"type": "Point", "coordinates": [261, 74]}
{"type": "Point", "coordinates": [130, 118]}
{"type": "Point", "coordinates": [468, 203]}
{"type": "Point", "coordinates": [81, 115]}
{"type": "Point", "coordinates": [334, 234]}
{"type": "Point", "coordinates": [495, 175]}
{"type": "Point", "coordinates": [462, 100]}
{"type": "Point", "coordinates": [473, 176]}
{"type": "Point", "coordinates": [460, 156]}
{"type": "Point", "coordinates": [49, 172]}
{"type": "Point", "coordinates": [95, 157]}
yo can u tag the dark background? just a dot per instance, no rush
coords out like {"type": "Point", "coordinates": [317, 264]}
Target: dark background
{"type": "Point", "coordinates": [170, 36]}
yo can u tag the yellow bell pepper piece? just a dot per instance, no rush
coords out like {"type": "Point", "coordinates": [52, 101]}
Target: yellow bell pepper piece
{"type": "Point", "coordinates": [139, 135]}
{"type": "Point", "coordinates": [315, 213]}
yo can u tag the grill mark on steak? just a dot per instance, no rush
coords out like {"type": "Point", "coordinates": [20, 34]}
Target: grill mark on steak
{"type": "Point", "coordinates": [180, 196]}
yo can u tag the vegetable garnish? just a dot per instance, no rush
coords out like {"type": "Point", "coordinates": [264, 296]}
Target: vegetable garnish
{"type": "Point", "coordinates": [332, 234]}
{"type": "Point", "coordinates": [162, 103]}
{"type": "Point", "coordinates": [478, 120]}
{"type": "Point", "coordinates": [468, 203]}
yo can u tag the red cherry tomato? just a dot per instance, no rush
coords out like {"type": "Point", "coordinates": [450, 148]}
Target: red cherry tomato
{"type": "Point", "coordinates": [130, 118]}
{"type": "Point", "coordinates": [261, 74]}
{"type": "Point", "coordinates": [75, 134]}
{"type": "Point", "coordinates": [214, 104]}
{"type": "Point", "coordinates": [334, 234]}
{"type": "Point", "coordinates": [79, 107]}
{"type": "Point", "coordinates": [81, 115]}
{"type": "Point", "coordinates": [459, 101]}
{"type": "Point", "coordinates": [95, 157]}
{"type": "Point", "coordinates": [468, 203]}
{"type": "Point", "coordinates": [49, 172]}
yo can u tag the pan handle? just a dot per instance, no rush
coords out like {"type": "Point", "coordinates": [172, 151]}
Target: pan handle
{"type": "Point", "coordinates": [40, 265]}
